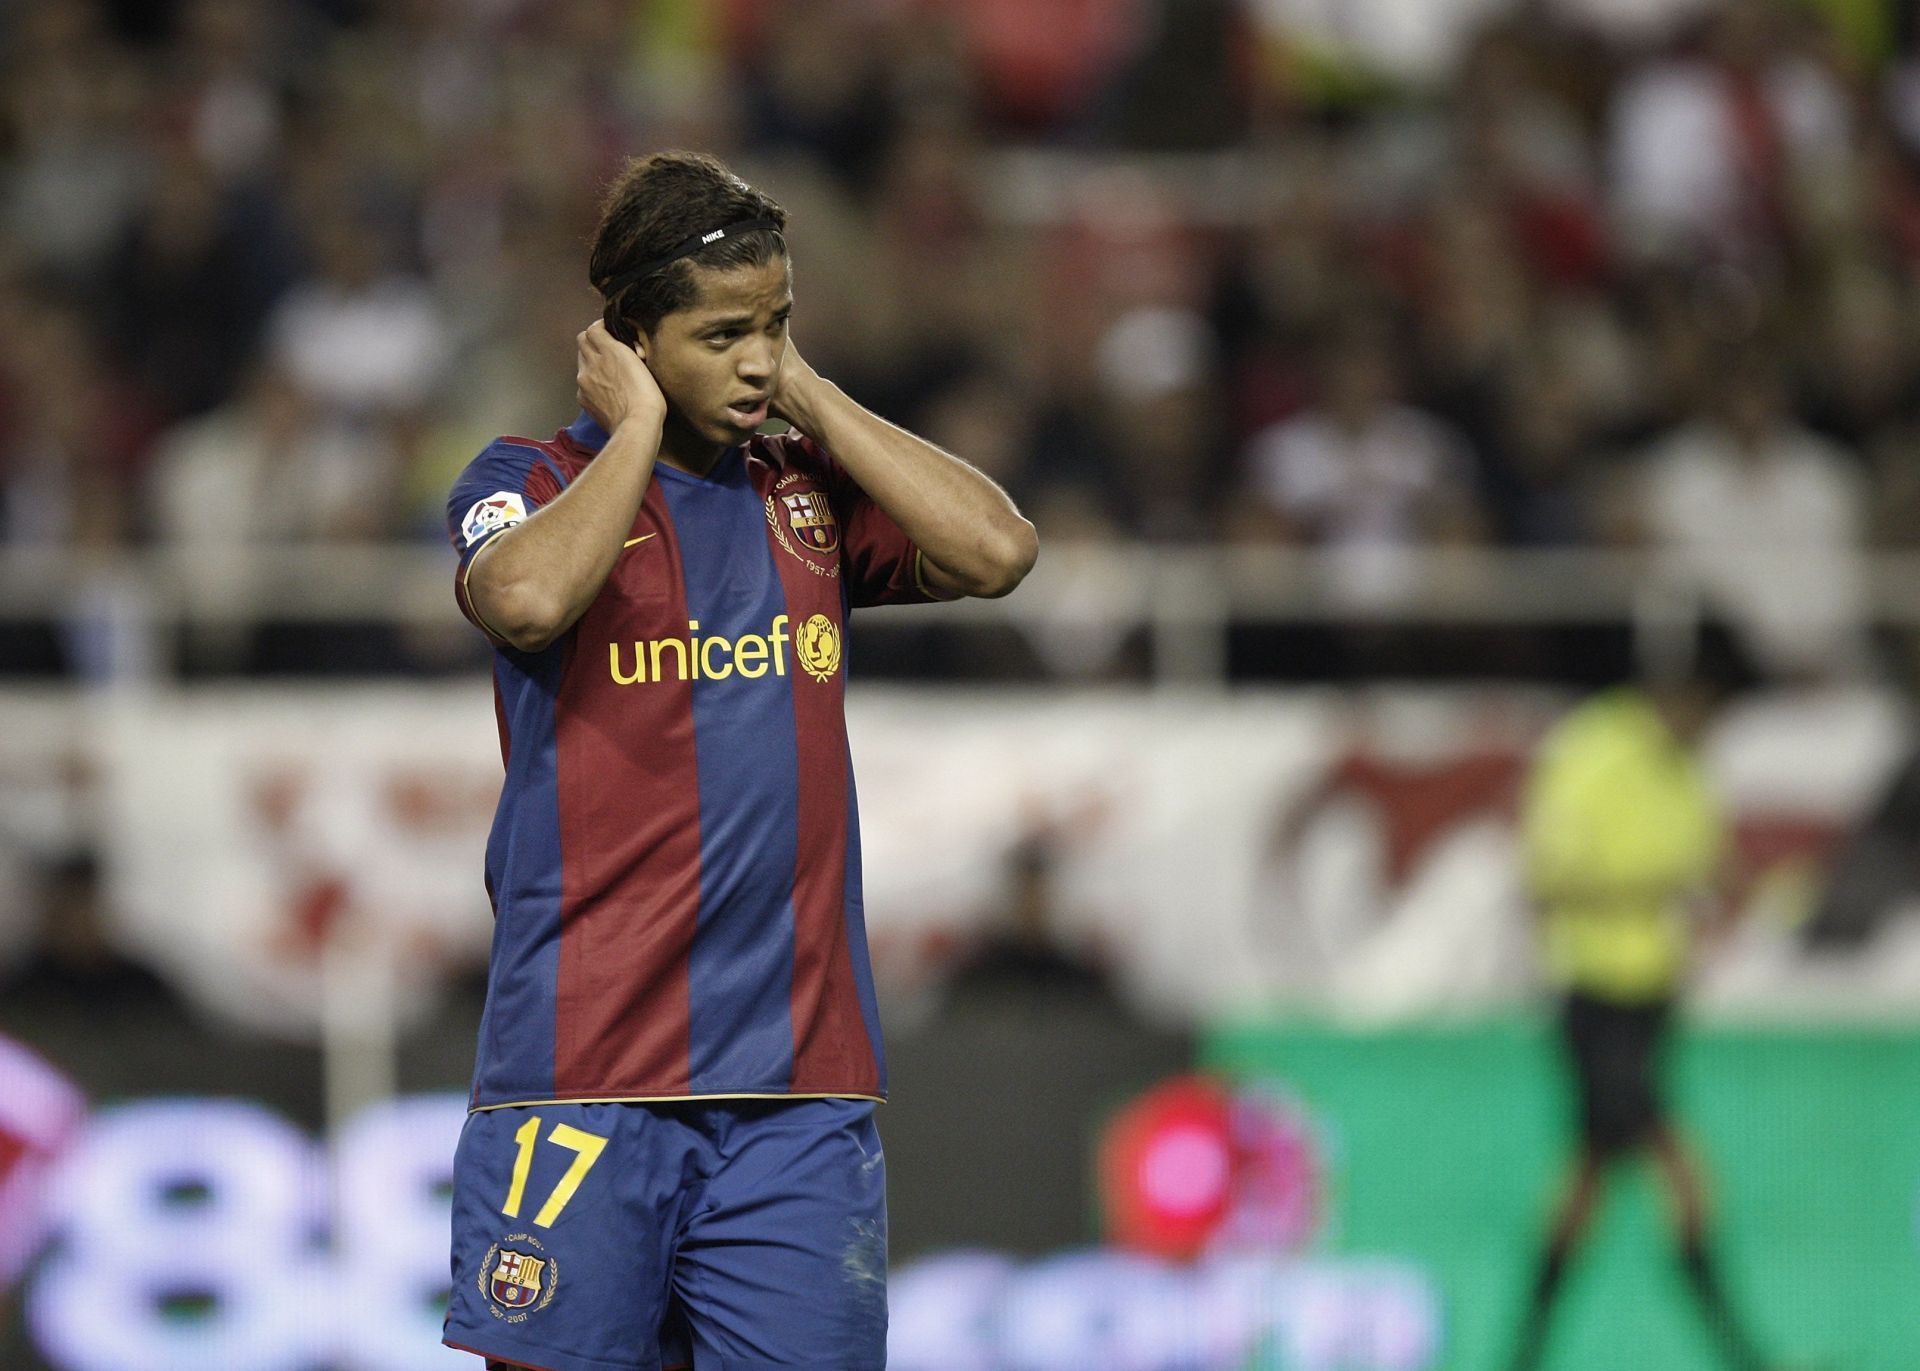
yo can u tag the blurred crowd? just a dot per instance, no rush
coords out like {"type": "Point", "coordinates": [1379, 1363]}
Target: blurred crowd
{"type": "Point", "coordinates": [1167, 268]}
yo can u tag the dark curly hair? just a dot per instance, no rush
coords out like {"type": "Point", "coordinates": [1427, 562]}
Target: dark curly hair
{"type": "Point", "coordinates": [655, 204]}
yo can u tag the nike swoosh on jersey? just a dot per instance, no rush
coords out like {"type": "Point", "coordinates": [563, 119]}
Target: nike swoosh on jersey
{"type": "Point", "coordinates": [641, 539]}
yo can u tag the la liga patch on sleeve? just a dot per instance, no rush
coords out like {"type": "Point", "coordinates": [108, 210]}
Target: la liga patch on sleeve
{"type": "Point", "coordinates": [502, 509]}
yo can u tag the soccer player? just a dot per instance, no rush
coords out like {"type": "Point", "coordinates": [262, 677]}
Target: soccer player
{"type": "Point", "coordinates": [1624, 843]}
{"type": "Point", "coordinates": [671, 1158]}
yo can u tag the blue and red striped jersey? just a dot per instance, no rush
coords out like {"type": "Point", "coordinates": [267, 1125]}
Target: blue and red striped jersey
{"type": "Point", "coordinates": [675, 862]}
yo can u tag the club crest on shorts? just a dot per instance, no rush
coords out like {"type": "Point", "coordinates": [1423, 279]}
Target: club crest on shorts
{"type": "Point", "coordinates": [502, 509]}
{"type": "Point", "coordinates": [516, 1279]}
{"type": "Point", "coordinates": [516, 1282]}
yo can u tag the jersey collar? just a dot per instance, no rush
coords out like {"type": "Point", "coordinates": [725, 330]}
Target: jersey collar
{"type": "Point", "coordinates": [586, 431]}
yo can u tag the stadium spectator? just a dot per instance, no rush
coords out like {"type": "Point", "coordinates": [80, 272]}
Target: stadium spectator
{"type": "Point", "coordinates": [1875, 873]}
{"type": "Point", "coordinates": [1540, 474]}
{"type": "Point", "coordinates": [75, 961]}
{"type": "Point", "coordinates": [1366, 476]}
{"type": "Point", "coordinates": [188, 288]}
{"type": "Point", "coordinates": [235, 59]}
{"type": "Point", "coordinates": [121, 1029]}
{"type": "Point", "coordinates": [362, 336]}
{"type": "Point", "coordinates": [1596, 200]}
{"type": "Point", "coordinates": [1768, 520]}
{"type": "Point", "coordinates": [1474, 310]}
{"type": "Point", "coordinates": [1040, 68]}
{"type": "Point", "coordinates": [1158, 421]}
{"type": "Point", "coordinates": [1520, 151]}
{"type": "Point", "coordinates": [1081, 630]}
{"type": "Point", "coordinates": [1028, 974]}
{"type": "Point", "coordinates": [1861, 381]}
{"type": "Point", "coordinates": [1280, 285]}
{"type": "Point", "coordinates": [75, 430]}
{"type": "Point", "coordinates": [819, 84]}
{"type": "Point", "coordinates": [260, 471]}
{"type": "Point", "coordinates": [1716, 149]}
{"type": "Point", "coordinates": [74, 102]}
{"type": "Point", "coordinates": [988, 414]}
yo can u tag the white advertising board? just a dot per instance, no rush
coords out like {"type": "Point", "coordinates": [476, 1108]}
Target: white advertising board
{"type": "Point", "coordinates": [1219, 852]}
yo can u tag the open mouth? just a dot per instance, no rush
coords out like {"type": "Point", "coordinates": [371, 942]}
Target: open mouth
{"type": "Point", "coordinates": [750, 413]}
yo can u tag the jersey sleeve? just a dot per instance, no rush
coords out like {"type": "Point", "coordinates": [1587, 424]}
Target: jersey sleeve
{"type": "Point", "coordinates": [508, 481]}
{"type": "Point", "coordinates": [882, 564]}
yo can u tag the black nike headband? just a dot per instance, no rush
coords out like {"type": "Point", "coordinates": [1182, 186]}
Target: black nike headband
{"type": "Point", "coordinates": [633, 276]}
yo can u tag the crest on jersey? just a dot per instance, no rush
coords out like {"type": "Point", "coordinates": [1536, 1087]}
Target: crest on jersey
{"type": "Point", "coordinates": [502, 509]}
{"type": "Point", "coordinates": [516, 1282]}
{"type": "Point", "coordinates": [811, 520]}
{"type": "Point", "coordinates": [802, 522]}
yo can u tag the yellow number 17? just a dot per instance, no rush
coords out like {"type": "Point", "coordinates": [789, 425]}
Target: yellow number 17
{"type": "Point", "coordinates": [586, 1148]}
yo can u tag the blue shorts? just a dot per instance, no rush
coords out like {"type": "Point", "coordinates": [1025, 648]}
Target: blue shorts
{"type": "Point", "coordinates": [720, 1235]}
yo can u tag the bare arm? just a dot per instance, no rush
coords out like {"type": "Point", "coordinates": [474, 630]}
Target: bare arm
{"type": "Point", "coordinates": [972, 538]}
{"type": "Point", "coordinates": [533, 581]}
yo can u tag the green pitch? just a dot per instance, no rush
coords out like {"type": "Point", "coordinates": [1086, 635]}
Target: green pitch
{"type": "Point", "coordinates": [1444, 1145]}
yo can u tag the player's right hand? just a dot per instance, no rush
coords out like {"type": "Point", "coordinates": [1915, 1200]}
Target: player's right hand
{"type": "Point", "coordinates": [613, 381]}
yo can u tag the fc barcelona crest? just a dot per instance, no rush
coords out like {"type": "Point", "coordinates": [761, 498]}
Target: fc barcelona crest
{"type": "Point", "coordinates": [515, 1281]}
{"type": "Point", "coordinates": [811, 520]}
{"type": "Point", "coordinates": [802, 522]}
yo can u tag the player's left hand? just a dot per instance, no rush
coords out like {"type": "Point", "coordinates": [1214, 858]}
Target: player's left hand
{"type": "Point", "coordinates": [793, 392]}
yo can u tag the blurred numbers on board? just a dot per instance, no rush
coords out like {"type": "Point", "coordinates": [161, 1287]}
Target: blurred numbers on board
{"type": "Point", "coordinates": [195, 1234]}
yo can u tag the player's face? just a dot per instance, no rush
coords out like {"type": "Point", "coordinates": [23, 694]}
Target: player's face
{"type": "Point", "coordinates": [718, 359]}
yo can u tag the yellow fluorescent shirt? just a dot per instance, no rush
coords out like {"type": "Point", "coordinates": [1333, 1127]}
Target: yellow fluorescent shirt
{"type": "Point", "coordinates": [1622, 837]}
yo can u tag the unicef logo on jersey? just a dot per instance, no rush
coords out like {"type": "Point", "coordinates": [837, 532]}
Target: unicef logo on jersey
{"type": "Point", "coordinates": [714, 657]}
{"type": "Point", "coordinates": [817, 645]}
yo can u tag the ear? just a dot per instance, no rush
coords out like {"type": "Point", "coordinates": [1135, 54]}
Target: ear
{"type": "Point", "coordinates": [616, 323]}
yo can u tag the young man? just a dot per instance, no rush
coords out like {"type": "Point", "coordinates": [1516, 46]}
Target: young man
{"type": "Point", "coordinates": [671, 1159]}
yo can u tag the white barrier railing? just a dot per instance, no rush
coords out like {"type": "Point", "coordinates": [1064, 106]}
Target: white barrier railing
{"type": "Point", "coordinates": [1186, 598]}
